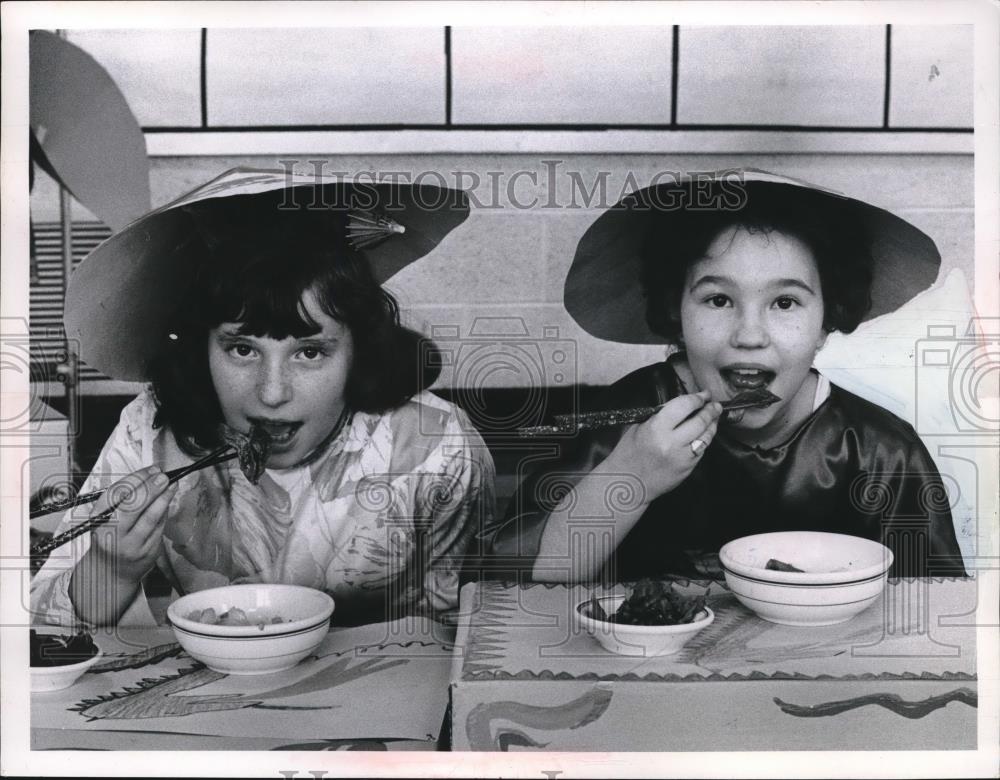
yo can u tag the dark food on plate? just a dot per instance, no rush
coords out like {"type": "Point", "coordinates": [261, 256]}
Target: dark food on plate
{"type": "Point", "coordinates": [775, 565]}
{"type": "Point", "coordinates": [652, 603]}
{"type": "Point", "coordinates": [59, 650]}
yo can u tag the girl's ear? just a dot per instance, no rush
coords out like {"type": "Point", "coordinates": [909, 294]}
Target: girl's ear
{"type": "Point", "coordinates": [821, 341]}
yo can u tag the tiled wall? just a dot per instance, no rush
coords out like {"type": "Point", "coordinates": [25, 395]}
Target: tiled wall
{"type": "Point", "coordinates": [502, 271]}
{"type": "Point", "coordinates": [831, 76]}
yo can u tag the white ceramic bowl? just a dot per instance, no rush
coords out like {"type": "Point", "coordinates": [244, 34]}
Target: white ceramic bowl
{"type": "Point", "coordinates": [643, 641]}
{"type": "Point", "coordinates": [841, 575]}
{"type": "Point", "coordinates": [55, 678]}
{"type": "Point", "coordinates": [253, 649]}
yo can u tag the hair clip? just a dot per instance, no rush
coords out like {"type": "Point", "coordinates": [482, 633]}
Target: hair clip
{"type": "Point", "coordinates": [367, 228]}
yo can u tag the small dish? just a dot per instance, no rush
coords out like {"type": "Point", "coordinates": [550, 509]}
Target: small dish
{"type": "Point", "coordinates": [642, 641]}
{"type": "Point", "coordinates": [55, 678]}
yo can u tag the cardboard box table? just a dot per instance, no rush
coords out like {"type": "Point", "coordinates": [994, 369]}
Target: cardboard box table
{"type": "Point", "coordinates": [899, 676]}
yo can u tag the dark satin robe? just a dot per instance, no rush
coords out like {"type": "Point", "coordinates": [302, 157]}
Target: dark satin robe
{"type": "Point", "coordinates": [852, 467]}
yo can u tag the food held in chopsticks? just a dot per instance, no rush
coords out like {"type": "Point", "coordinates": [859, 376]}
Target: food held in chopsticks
{"type": "Point", "coordinates": [759, 398]}
{"type": "Point", "coordinates": [251, 449]}
{"type": "Point", "coordinates": [589, 421]}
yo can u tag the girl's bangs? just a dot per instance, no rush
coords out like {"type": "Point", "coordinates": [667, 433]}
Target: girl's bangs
{"type": "Point", "coordinates": [270, 307]}
{"type": "Point", "coordinates": [260, 261]}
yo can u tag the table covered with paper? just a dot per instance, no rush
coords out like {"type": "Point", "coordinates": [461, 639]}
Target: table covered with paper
{"type": "Point", "coordinates": [899, 676]}
{"type": "Point", "coordinates": [377, 687]}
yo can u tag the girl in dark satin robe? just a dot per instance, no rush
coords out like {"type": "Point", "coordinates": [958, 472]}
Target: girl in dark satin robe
{"type": "Point", "coordinates": [746, 274]}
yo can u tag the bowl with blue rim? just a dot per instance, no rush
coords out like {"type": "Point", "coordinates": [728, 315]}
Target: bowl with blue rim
{"type": "Point", "coordinates": [257, 628]}
{"type": "Point", "coordinates": [806, 578]}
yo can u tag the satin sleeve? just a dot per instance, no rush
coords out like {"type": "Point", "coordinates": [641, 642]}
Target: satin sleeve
{"type": "Point", "coordinates": [915, 515]}
{"type": "Point", "coordinates": [510, 546]}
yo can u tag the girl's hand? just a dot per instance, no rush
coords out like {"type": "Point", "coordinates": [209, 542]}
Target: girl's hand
{"type": "Point", "coordinates": [127, 545]}
{"type": "Point", "coordinates": [658, 451]}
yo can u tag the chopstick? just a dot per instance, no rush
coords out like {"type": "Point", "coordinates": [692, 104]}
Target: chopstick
{"type": "Point", "coordinates": [173, 475]}
{"type": "Point", "coordinates": [589, 421]}
{"type": "Point", "coordinates": [220, 455]}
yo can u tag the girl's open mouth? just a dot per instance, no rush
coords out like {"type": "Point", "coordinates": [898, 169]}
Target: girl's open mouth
{"type": "Point", "coordinates": [742, 378]}
{"type": "Point", "coordinates": [280, 432]}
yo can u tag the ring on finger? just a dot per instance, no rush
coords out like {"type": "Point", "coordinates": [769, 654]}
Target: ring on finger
{"type": "Point", "coordinates": [697, 447]}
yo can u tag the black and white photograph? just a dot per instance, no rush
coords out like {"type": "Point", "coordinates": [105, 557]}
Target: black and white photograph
{"type": "Point", "coordinates": [390, 388]}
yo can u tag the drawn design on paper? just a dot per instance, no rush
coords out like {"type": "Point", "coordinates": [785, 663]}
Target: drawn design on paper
{"type": "Point", "coordinates": [730, 641]}
{"type": "Point", "coordinates": [158, 697]}
{"type": "Point", "coordinates": [148, 657]}
{"type": "Point", "coordinates": [495, 606]}
{"type": "Point", "coordinates": [548, 675]}
{"type": "Point", "coordinates": [890, 701]}
{"type": "Point", "coordinates": [573, 714]}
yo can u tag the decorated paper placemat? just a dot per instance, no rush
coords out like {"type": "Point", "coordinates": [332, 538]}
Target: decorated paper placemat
{"type": "Point", "coordinates": [918, 629]}
{"type": "Point", "coordinates": [378, 682]}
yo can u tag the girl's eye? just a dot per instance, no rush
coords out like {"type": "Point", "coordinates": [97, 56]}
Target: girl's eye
{"type": "Point", "coordinates": [241, 350]}
{"type": "Point", "coordinates": [785, 303]}
{"type": "Point", "coordinates": [718, 300]}
{"type": "Point", "coordinates": [311, 353]}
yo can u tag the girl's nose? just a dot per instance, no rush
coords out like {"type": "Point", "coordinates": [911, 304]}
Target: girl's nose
{"type": "Point", "coordinates": [750, 331]}
{"type": "Point", "coordinates": [273, 385]}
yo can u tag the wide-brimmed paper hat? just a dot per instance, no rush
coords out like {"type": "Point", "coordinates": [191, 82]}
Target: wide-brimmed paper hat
{"type": "Point", "coordinates": [120, 297]}
{"type": "Point", "coordinates": [603, 291]}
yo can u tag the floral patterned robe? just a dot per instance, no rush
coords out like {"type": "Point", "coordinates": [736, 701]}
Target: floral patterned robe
{"type": "Point", "coordinates": [383, 520]}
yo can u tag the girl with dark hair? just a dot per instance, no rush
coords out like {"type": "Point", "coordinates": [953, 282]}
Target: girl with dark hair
{"type": "Point", "coordinates": [253, 304]}
{"type": "Point", "coordinates": [747, 288]}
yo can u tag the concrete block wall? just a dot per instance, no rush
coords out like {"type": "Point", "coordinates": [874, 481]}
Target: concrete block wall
{"type": "Point", "coordinates": [501, 273]}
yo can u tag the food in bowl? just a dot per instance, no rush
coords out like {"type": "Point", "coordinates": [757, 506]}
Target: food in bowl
{"type": "Point", "coordinates": [653, 620]}
{"type": "Point", "coordinates": [838, 576]}
{"type": "Point", "coordinates": [255, 644]}
{"type": "Point", "coordinates": [652, 603]}
{"type": "Point", "coordinates": [61, 650]}
{"type": "Point", "coordinates": [775, 565]}
{"type": "Point", "coordinates": [57, 661]}
{"type": "Point", "coordinates": [231, 617]}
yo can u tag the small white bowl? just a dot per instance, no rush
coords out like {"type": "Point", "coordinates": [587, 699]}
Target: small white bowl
{"type": "Point", "coordinates": [253, 649]}
{"type": "Point", "coordinates": [643, 641]}
{"type": "Point", "coordinates": [841, 575]}
{"type": "Point", "coordinates": [55, 678]}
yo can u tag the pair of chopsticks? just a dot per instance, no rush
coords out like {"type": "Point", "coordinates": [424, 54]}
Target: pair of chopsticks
{"type": "Point", "coordinates": [221, 455]}
{"type": "Point", "coordinates": [589, 421]}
